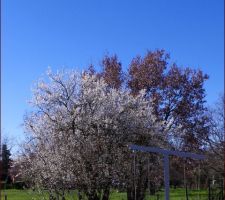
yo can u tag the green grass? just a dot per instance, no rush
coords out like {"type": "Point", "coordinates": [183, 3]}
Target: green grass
{"type": "Point", "coordinates": [178, 194]}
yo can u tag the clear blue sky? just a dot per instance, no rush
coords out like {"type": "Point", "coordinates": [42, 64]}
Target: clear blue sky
{"type": "Point", "coordinates": [75, 33]}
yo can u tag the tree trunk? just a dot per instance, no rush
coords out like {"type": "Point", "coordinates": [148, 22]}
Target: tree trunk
{"type": "Point", "coordinates": [130, 194]}
{"type": "Point", "coordinates": [92, 195]}
{"type": "Point", "coordinates": [138, 193]}
{"type": "Point", "coordinates": [79, 195]}
{"type": "Point", "coordinates": [106, 194]}
{"type": "Point", "coordinates": [63, 196]}
{"type": "Point", "coordinates": [57, 196]}
{"type": "Point", "coordinates": [152, 188]}
{"type": "Point", "coordinates": [51, 197]}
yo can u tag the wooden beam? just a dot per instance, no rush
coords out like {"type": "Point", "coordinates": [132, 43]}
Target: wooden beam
{"type": "Point", "coordinates": [167, 152]}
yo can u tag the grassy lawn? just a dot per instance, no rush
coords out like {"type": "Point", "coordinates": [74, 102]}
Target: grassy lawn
{"type": "Point", "coordinates": [178, 194]}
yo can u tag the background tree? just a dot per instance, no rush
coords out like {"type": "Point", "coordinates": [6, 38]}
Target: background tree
{"type": "Point", "coordinates": [215, 140]}
{"type": "Point", "coordinates": [177, 95]}
{"type": "Point", "coordinates": [112, 71]}
{"type": "Point", "coordinates": [6, 162]}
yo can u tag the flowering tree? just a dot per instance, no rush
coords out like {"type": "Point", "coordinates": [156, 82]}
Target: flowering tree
{"type": "Point", "coordinates": [80, 130]}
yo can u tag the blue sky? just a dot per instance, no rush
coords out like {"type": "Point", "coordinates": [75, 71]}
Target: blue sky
{"type": "Point", "coordinates": [75, 33]}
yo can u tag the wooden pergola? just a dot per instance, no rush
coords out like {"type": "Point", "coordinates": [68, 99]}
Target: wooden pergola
{"type": "Point", "coordinates": [166, 154]}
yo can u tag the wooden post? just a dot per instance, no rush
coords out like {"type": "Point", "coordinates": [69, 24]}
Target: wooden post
{"type": "Point", "coordinates": [185, 182]}
{"type": "Point", "coordinates": [222, 192]}
{"type": "Point", "coordinates": [209, 193]}
{"type": "Point", "coordinates": [149, 190]}
{"type": "Point", "coordinates": [134, 174]}
{"type": "Point", "coordinates": [199, 180]}
{"type": "Point", "coordinates": [166, 177]}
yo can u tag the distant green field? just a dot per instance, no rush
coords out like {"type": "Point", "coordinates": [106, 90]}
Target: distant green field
{"type": "Point", "coordinates": [178, 194]}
